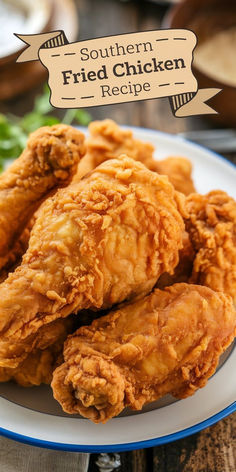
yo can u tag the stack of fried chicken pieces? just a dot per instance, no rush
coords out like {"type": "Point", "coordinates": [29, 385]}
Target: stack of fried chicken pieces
{"type": "Point", "coordinates": [97, 225]}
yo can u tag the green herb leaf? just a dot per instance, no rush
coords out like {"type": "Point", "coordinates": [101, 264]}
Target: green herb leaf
{"type": "Point", "coordinates": [83, 117]}
{"type": "Point", "coordinates": [35, 120]}
{"type": "Point", "coordinates": [69, 117]}
{"type": "Point", "coordinates": [14, 131]}
{"type": "Point", "coordinates": [42, 104]}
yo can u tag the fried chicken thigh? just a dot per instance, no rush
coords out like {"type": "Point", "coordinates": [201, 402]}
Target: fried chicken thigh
{"type": "Point", "coordinates": [212, 230]}
{"type": "Point", "coordinates": [107, 141]}
{"type": "Point", "coordinates": [168, 342]}
{"type": "Point", "coordinates": [95, 243]}
{"type": "Point", "coordinates": [50, 160]}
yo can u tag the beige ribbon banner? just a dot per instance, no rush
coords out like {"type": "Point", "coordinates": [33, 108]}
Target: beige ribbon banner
{"type": "Point", "coordinates": [121, 68]}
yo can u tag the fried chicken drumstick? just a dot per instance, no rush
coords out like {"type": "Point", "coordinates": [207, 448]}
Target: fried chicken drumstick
{"type": "Point", "coordinates": [50, 160]}
{"type": "Point", "coordinates": [107, 141]}
{"type": "Point", "coordinates": [95, 243]}
{"type": "Point", "coordinates": [168, 342]}
{"type": "Point", "coordinates": [212, 230]}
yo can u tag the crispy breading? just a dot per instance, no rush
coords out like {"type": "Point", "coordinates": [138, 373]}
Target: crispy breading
{"type": "Point", "coordinates": [13, 353]}
{"type": "Point", "coordinates": [178, 170]}
{"type": "Point", "coordinates": [36, 369]}
{"type": "Point", "coordinates": [168, 342]}
{"type": "Point", "coordinates": [39, 357]}
{"type": "Point", "coordinates": [212, 229]}
{"type": "Point", "coordinates": [107, 141]}
{"type": "Point", "coordinates": [49, 161]}
{"type": "Point", "coordinates": [95, 243]}
{"type": "Point", "coordinates": [184, 268]}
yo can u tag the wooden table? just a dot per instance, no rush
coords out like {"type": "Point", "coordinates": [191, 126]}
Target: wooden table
{"type": "Point", "coordinates": [214, 449]}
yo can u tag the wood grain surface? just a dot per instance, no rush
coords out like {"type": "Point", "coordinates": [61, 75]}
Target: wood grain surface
{"type": "Point", "coordinates": [214, 449]}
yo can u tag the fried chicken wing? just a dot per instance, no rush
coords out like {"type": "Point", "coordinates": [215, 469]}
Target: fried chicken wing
{"type": "Point", "coordinates": [95, 243]}
{"type": "Point", "coordinates": [49, 160]}
{"type": "Point", "coordinates": [168, 342]}
{"type": "Point", "coordinates": [212, 229]}
{"type": "Point", "coordinates": [107, 141]}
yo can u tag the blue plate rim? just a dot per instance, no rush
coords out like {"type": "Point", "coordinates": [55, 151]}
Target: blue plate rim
{"type": "Point", "coordinates": [122, 447]}
{"type": "Point", "coordinates": [149, 442]}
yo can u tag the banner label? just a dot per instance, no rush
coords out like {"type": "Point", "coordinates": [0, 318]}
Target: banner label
{"type": "Point", "coordinates": [121, 68]}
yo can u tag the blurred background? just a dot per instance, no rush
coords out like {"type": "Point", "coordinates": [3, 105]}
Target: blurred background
{"type": "Point", "coordinates": [24, 106]}
{"type": "Point", "coordinates": [22, 86]}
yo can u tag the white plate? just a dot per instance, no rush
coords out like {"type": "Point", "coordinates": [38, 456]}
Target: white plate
{"type": "Point", "coordinates": [32, 416]}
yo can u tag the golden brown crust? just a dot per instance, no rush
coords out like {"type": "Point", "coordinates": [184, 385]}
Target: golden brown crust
{"type": "Point", "coordinates": [168, 342]}
{"type": "Point", "coordinates": [39, 357]}
{"type": "Point", "coordinates": [13, 353]}
{"type": "Point", "coordinates": [13, 257]}
{"type": "Point", "coordinates": [95, 243]}
{"type": "Point", "coordinates": [34, 370]}
{"type": "Point", "coordinates": [212, 230]}
{"type": "Point", "coordinates": [178, 170]}
{"type": "Point", "coordinates": [107, 141]}
{"type": "Point", "coordinates": [49, 160]}
{"type": "Point", "coordinates": [184, 268]}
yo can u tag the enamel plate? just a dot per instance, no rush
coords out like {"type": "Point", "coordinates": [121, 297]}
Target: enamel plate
{"type": "Point", "coordinates": [34, 417]}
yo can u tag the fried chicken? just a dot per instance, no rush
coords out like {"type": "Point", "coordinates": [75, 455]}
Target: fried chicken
{"type": "Point", "coordinates": [107, 141]}
{"type": "Point", "coordinates": [49, 161]}
{"type": "Point", "coordinates": [40, 357]}
{"type": "Point", "coordinates": [184, 268]}
{"type": "Point", "coordinates": [13, 353]}
{"type": "Point", "coordinates": [212, 230]}
{"type": "Point", "coordinates": [95, 243]}
{"type": "Point", "coordinates": [36, 369]}
{"type": "Point", "coordinates": [13, 258]}
{"type": "Point", "coordinates": [179, 170]}
{"type": "Point", "coordinates": [168, 342]}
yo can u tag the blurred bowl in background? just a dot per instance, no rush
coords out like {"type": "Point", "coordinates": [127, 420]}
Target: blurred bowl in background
{"type": "Point", "coordinates": [214, 65]}
{"type": "Point", "coordinates": [164, 2]}
{"type": "Point", "coordinates": [29, 17]}
{"type": "Point", "coordinates": [23, 17]}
